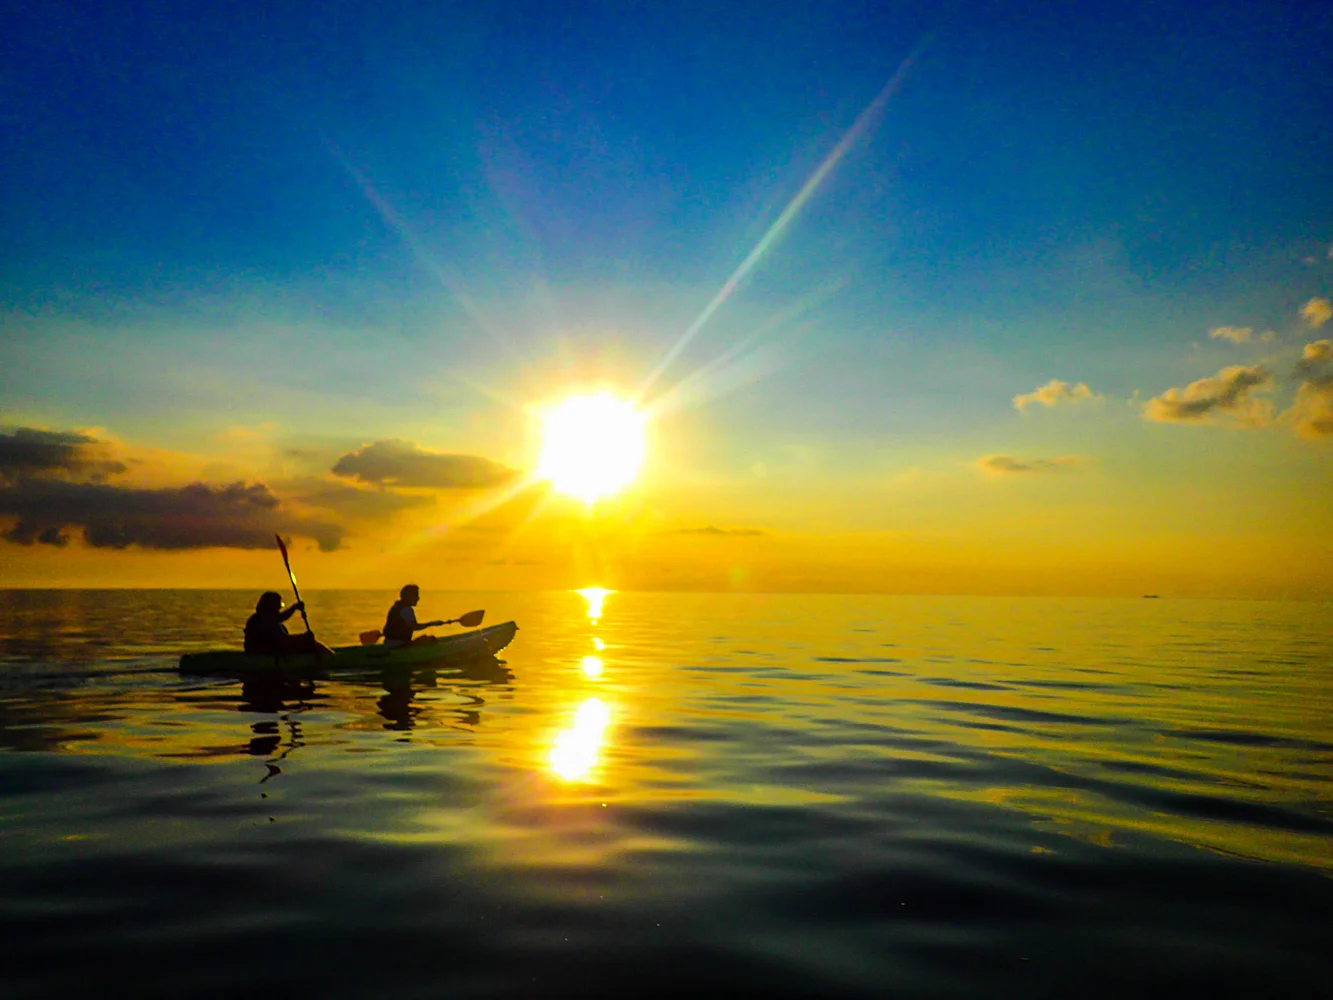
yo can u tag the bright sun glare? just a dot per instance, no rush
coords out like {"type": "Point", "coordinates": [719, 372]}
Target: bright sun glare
{"type": "Point", "coordinates": [592, 446]}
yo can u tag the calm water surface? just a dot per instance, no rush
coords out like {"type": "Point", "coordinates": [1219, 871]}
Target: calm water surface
{"type": "Point", "coordinates": [830, 796]}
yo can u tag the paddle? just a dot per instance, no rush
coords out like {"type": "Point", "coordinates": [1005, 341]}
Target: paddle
{"type": "Point", "coordinates": [292, 576]}
{"type": "Point", "coordinates": [470, 620]}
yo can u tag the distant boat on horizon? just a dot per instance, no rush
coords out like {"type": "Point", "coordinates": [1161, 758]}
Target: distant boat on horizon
{"type": "Point", "coordinates": [1154, 597]}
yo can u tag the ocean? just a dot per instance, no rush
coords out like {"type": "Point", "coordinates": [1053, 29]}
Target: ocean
{"type": "Point", "coordinates": [840, 796]}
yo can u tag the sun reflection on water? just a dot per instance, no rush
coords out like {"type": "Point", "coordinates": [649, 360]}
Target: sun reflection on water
{"type": "Point", "coordinates": [592, 667]}
{"type": "Point", "coordinates": [596, 597]}
{"type": "Point", "coordinates": [576, 750]}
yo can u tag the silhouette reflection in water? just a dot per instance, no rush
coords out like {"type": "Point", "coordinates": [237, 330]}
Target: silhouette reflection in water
{"type": "Point", "coordinates": [136, 717]}
{"type": "Point", "coordinates": [458, 703]}
{"type": "Point", "coordinates": [281, 697]}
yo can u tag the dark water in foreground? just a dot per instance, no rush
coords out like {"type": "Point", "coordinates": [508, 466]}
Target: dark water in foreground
{"type": "Point", "coordinates": [795, 796]}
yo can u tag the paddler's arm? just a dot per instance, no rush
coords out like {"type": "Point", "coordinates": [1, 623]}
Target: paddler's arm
{"type": "Point", "coordinates": [286, 613]}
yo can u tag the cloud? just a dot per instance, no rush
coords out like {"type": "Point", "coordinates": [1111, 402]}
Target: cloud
{"type": "Point", "coordinates": [196, 516]}
{"type": "Point", "coordinates": [1008, 465]}
{"type": "Point", "coordinates": [394, 462]}
{"type": "Point", "coordinates": [1317, 312]}
{"type": "Point", "coordinates": [1228, 393]}
{"type": "Point", "coordinates": [719, 532]}
{"type": "Point", "coordinates": [32, 452]}
{"type": "Point", "coordinates": [1241, 335]}
{"type": "Point", "coordinates": [1314, 358]}
{"type": "Point", "coordinates": [1055, 392]}
{"type": "Point", "coordinates": [1311, 415]}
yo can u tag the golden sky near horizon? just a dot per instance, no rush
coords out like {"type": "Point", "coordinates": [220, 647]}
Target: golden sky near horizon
{"type": "Point", "coordinates": [1205, 489]}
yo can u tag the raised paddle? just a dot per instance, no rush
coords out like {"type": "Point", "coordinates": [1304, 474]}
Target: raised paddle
{"type": "Point", "coordinates": [292, 576]}
{"type": "Point", "coordinates": [470, 620]}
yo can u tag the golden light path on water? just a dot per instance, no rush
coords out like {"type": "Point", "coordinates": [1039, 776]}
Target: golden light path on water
{"type": "Point", "coordinates": [578, 748]}
{"type": "Point", "coordinates": [596, 598]}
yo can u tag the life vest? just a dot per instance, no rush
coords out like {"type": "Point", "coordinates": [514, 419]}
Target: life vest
{"type": "Point", "coordinates": [394, 626]}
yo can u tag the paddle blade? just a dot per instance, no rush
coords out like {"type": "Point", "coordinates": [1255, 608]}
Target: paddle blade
{"type": "Point", "coordinates": [472, 619]}
{"type": "Point", "coordinates": [368, 638]}
{"type": "Point", "coordinates": [282, 547]}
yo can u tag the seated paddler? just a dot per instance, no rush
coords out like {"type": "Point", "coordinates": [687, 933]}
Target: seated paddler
{"type": "Point", "coordinates": [401, 625]}
{"type": "Point", "coordinates": [266, 635]}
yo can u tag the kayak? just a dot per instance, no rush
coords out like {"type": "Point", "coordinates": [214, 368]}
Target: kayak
{"type": "Point", "coordinates": [464, 647]}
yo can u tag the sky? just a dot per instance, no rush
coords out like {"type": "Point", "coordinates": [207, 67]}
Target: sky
{"type": "Point", "coordinates": [929, 298]}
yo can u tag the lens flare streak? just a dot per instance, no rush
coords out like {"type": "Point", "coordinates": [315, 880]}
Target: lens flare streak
{"type": "Point", "coordinates": [857, 129]}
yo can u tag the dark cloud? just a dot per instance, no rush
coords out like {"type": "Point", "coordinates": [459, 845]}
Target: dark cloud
{"type": "Point", "coordinates": [1229, 393]}
{"type": "Point", "coordinates": [1008, 465]}
{"type": "Point", "coordinates": [394, 462]}
{"type": "Point", "coordinates": [32, 452]}
{"type": "Point", "coordinates": [719, 532]}
{"type": "Point", "coordinates": [238, 516]}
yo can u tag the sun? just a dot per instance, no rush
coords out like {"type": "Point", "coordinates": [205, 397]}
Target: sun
{"type": "Point", "coordinates": [592, 445]}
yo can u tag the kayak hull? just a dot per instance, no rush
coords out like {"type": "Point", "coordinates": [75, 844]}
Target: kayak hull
{"type": "Point", "coordinates": [465, 647]}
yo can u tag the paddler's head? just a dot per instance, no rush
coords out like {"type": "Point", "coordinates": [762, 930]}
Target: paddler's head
{"type": "Point", "coordinates": [270, 603]}
{"type": "Point", "coordinates": [410, 595]}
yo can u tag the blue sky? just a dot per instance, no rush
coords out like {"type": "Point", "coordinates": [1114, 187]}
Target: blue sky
{"type": "Point", "coordinates": [151, 147]}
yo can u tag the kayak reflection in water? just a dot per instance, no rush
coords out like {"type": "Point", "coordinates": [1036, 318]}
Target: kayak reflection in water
{"type": "Point", "coordinates": [266, 635]}
{"type": "Point", "coordinates": [401, 622]}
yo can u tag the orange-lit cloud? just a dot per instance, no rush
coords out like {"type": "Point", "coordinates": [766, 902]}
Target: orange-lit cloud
{"type": "Point", "coordinates": [403, 463]}
{"type": "Point", "coordinates": [1241, 335]}
{"type": "Point", "coordinates": [1317, 312]}
{"type": "Point", "coordinates": [1229, 393]}
{"type": "Point", "coordinates": [1314, 358]}
{"type": "Point", "coordinates": [1311, 416]}
{"type": "Point", "coordinates": [1312, 413]}
{"type": "Point", "coordinates": [1054, 393]}
{"type": "Point", "coordinates": [1008, 465]}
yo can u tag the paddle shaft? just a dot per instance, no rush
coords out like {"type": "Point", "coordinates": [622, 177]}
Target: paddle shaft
{"type": "Point", "coordinates": [469, 620]}
{"type": "Point", "coordinates": [292, 576]}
